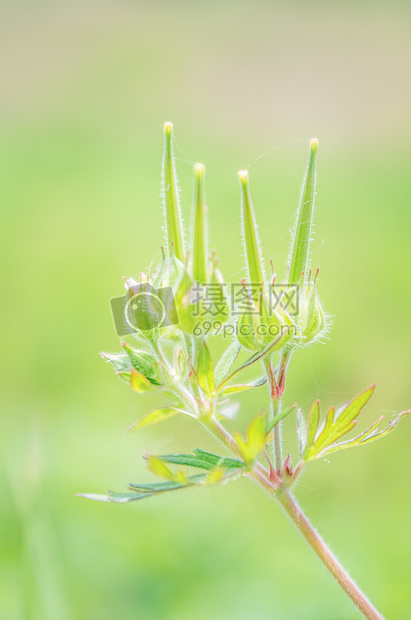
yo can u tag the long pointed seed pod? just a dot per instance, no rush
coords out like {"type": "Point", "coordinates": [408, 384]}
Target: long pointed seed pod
{"type": "Point", "coordinates": [172, 211]}
{"type": "Point", "coordinates": [200, 239]}
{"type": "Point", "coordinates": [250, 234]}
{"type": "Point", "coordinates": [303, 228]}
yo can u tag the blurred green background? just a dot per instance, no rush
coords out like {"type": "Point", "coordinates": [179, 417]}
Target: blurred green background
{"type": "Point", "coordinates": [85, 88]}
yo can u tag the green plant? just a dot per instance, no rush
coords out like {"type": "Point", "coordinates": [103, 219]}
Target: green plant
{"type": "Point", "coordinates": [173, 315]}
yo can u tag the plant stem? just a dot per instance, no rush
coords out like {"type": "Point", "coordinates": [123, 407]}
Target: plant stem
{"type": "Point", "coordinates": [297, 516]}
{"type": "Point", "coordinates": [278, 440]}
{"type": "Point", "coordinates": [318, 545]}
{"type": "Point", "coordinates": [275, 409]}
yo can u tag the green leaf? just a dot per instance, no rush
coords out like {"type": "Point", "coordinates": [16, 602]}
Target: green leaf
{"type": "Point", "coordinates": [160, 469]}
{"type": "Point", "coordinates": [154, 417]}
{"type": "Point", "coordinates": [142, 362]}
{"type": "Point", "coordinates": [202, 459]}
{"type": "Point", "coordinates": [303, 228]}
{"type": "Point", "coordinates": [312, 425]}
{"type": "Point", "coordinates": [172, 210]}
{"type": "Point", "coordinates": [140, 383]}
{"type": "Point", "coordinates": [167, 485]}
{"type": "Point", "coordinates": [200, 240]}
{"type": "Point", "coordinates": [205, 372]}
{"type": "Point", "coordinates": [336, 426]}
{"type": "Point", "coordinates": [281, 416]}
{"type": "Point", "coordinates": [255, 440]}
{"type": "Point", "coordinates": [250, 233]}
{"type": "Point", "coordinates": [142, 491]}
{"type": "Point", "coordinates": [252, 360]}
{"type": "Point", "coordinates": [352, 410]}
{"type": "Point", "coordinates": [226, 361]}
{"type": "Point", "coordinates": [371, 434]}
{"type": "Point", "coordinates": [242, 387]}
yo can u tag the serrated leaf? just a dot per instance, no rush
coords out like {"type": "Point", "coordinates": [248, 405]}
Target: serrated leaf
{"type": "Point", "coordinates": [336, 426]}
{"type": "Point", "coordinates": [154, 417]}
{"type": "Point", "coordinates": [303, 227]}
{"type": "Point", "coordinates": [205, 372]}
{"type": "Point", "coordinates": [226, 362]}
{"type": "Point", "coordinates": [242, 387]}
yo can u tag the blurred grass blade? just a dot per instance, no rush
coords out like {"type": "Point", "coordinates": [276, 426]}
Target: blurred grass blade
{"type": "Point", "coordinates": [172, 211]}
{"type": "Point", "coordinates": [250, 233]}
{"type": "Point", "coordinates": [200, 239]}
{"type": "Point", "coordinates": [303, 228]}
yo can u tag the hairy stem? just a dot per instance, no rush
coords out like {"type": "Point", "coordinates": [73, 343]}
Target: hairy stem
{"type": "Point", "coordinates": [318, 545]}
{"type": "Point", "coordinates": [275, 409]}
{"type": "Point", "coordinates": [297, 516]}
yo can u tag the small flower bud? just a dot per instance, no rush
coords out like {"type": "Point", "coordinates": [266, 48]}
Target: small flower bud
{"type": "Point", "coordinates": [260, 325]}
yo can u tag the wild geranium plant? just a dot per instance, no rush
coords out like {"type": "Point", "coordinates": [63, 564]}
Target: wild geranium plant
{"type": "Point", "coordinates": [169, 320]}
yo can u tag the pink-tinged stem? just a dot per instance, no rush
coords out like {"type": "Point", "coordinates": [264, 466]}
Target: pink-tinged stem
{"type": "Point", "coordinates": [295, 513]}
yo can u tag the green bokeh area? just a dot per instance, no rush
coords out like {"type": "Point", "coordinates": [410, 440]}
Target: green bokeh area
{"type": "Point", "coordinates": [85, 90]}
